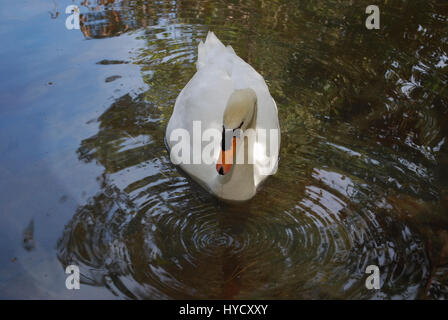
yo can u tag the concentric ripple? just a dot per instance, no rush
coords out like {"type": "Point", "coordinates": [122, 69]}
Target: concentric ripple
{"type": "Point", "coordinates": [315, 243]}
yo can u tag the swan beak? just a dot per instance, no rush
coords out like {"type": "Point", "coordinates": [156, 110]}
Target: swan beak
{"type": "Point", "coordinates": [225, 159]}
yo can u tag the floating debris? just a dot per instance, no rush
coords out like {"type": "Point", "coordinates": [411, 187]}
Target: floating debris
{"type": "Point", "coordinates": [28, 237]}
{"type": "Point", "coordinates": [112, 78]}
{"type": "Point", "coordinates": [107, 62]}
{"type": "Point", "coordinates": [63, 199]}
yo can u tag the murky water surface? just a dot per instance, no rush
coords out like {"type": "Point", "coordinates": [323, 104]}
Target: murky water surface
{"type": "Point", "coordinates": [85, 178]}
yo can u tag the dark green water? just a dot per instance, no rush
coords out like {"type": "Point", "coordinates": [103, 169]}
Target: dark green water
{"type": "Point", "coordinates": [85, 178]}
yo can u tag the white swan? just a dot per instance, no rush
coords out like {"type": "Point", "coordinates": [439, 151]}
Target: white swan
{"type": "Point", "coordinates": [227, 94]}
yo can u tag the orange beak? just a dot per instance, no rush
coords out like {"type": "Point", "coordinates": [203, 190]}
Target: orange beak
{"type": "Point", "coordinates": [225, 159]}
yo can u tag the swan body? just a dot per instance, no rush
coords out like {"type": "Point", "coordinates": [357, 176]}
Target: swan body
{"type": "Point", "coordinates": [227, 95]}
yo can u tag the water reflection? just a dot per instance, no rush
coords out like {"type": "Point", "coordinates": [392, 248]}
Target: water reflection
{"type": "Point", "coordinates": [361, 179]}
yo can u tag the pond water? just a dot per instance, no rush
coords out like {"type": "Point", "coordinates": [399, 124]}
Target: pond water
{"type": "Point", "coordinates": [85, 178]}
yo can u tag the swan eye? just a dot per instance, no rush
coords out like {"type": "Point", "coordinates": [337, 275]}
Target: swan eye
{"type": "Point", "coordinates": [226, 141]}
{"type": "Point", "coordinates": [239, 126]}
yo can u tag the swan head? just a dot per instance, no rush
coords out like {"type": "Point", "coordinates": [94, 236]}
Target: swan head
{"type": "Point", "coordinates": [239, 114]}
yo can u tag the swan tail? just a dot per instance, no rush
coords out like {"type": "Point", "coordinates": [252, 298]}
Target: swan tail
{"type": "Point", "coordinates": [209, 48]}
